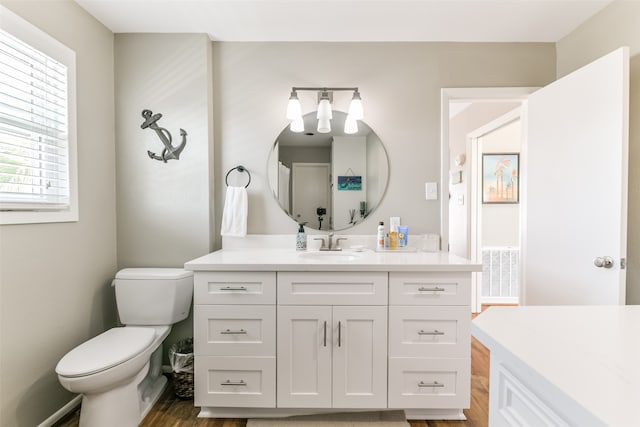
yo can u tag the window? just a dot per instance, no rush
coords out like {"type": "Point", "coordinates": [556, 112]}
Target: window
{"type": "Point", "coordinates": [38, 178]}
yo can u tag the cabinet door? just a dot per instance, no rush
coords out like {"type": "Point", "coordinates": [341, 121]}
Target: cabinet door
{"type": "Point", "coordinates": [359, 357]}
{"type": "Point", "coordinates": [304, 357]}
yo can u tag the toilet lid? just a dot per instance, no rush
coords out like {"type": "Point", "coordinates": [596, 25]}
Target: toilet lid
{"type": "Point", "coordinates": [108, 349]}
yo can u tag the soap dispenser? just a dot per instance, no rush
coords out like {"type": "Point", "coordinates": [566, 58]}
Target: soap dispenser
{"type": "Point", "coordinates": [301, 238]}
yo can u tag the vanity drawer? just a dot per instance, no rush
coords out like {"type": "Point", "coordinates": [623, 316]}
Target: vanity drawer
{"type": "Point", "coordinates": [429, 383]}
{"type": "Point", "coordinates": [235, 381]}
{"type": "Point", "coordinates": [235, 330]}
{"type": "Point", "coordinates": [226, 287]}
{"type": "Point", "coordinates": [442, 288]}
{"type": "Point", "coordinates": [429, 331]}
{"type": "Point", "coordinates": [333, 288]}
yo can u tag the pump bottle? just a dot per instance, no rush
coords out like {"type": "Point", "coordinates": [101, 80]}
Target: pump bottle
{"type": "Point", "coordinates": [301, 238]}
{"type": "Point", "coordinates": [380, 238]}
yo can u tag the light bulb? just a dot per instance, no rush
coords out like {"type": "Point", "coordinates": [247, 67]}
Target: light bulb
{"type": "Point", "coordinates": [350, 125]}
{"type": "Point", "coordinates": [324, 125]}
{"type": "Point", "coordinates": [294, 109]}
{"type": "Point", "coordinates": [297, 125]}
{"type": "Point", "coordinates": [324, 107]}
{"type": "Point", "coordinates": [355, 107]}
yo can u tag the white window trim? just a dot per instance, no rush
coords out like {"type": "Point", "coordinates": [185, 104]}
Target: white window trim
{"type": "Point", "coordinates": [40, 40]}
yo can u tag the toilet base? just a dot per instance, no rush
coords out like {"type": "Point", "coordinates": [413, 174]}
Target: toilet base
{"type": "Point", "coordinates": [152, 395]}
{"type": "Point", "coordinates": [119, 406]}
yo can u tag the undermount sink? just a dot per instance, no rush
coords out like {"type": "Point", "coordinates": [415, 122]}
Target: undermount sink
{"type": "Point", "coordinates": [330, 256]}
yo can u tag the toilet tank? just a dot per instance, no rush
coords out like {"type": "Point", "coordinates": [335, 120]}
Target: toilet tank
{"type": "Point", "coordinates": [153, 296]}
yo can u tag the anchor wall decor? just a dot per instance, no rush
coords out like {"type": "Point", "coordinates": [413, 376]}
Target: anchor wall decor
{"type": "Point", "coordinates": [169, 151]}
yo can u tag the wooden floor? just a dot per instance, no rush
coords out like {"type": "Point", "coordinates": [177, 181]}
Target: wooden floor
{"type": "Point", "coordinates": [172, 412]}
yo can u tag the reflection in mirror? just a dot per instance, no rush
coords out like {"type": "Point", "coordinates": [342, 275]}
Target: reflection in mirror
{"type": "Point", "coordinates": [330, 181]}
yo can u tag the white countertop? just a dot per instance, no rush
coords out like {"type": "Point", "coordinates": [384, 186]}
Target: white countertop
{"type": "Point", "coordinates": [292, 260]}
{"type": "Point", "coordinates": [589, 353]}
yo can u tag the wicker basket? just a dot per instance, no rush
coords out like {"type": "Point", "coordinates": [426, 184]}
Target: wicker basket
{"type": "Point", "coordinates": [181, 358]}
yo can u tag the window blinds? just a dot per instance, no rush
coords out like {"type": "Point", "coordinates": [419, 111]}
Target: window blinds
{"type": "Point", "coordinates": [34, 136]}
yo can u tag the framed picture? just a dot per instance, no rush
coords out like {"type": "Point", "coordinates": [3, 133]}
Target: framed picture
{"type": "Point", "coordinates": [500, 177]}
{"type": "Point", "coordinates": [353, 182]}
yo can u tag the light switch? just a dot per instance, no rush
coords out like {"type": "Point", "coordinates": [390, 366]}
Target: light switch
{"type": "Point", "coordinates": [431, 190]}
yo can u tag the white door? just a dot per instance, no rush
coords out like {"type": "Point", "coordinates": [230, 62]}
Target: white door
{"type": "Point", "coordinates": [359, 357]}
{"type": "Point", "coordinates": [311, 189]}
{"type": "Point", "coordinates": [304, 356]}
{"type": "Point", "coordinates": [575, 186]}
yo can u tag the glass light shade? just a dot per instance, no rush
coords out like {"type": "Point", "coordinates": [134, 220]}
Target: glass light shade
{"type": "Point", "coordinates": [324, 125]}
{"type": "Point", "coordinates": [294, 109]}
{"type": "Point", "coordinates": [350, 125]}
{"type": "Point", "coordinates": [355, 107]}
{"type": "Point", "coordinates": [324, 110]}
{"type": "Point", "coordinates": [297, 125]}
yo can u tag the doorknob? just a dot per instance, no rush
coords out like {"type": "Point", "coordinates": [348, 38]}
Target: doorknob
{"type": "Point", "coordinates": [603, 262]}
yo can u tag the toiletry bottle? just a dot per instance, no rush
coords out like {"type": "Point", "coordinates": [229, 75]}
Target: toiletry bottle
{"type": "Point", "coordinates": [393, 240]}
{"type": "Point", "coordinates": [394, 222]}
{"type": "Point", "coordinates": [386, 241]}
{"type": "Point", "coordinates": [380, 238]}
{"type": "Point", "coordinates": [403, 235]}
{"type": "Point", "coordinates": [301, 238]}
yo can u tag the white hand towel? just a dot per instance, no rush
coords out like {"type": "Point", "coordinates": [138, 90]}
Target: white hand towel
{"type": "Point", "coordinates": [234, 215]}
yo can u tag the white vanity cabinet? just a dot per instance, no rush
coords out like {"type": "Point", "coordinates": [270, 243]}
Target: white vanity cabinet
{"type": "Point", "coordinates": [235, 339]}
{"type": "Point", "coordinates": [333, 355]}
{"type": "Point", "coordinates": [276, 334]}
{"type": "Point", "coordinates": [429, 340]}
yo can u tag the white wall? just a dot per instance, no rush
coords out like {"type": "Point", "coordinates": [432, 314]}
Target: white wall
{"type": "Point", "coordinates": [400, 85]}
{"type": "Point", "coordinates": [501, 222]}
{"type": "Point", "coordinates": [55, 278]}
{"type": "Point", "coordinates": [163, 208]}
{"type": "Point", "coordinates": [475, 116]}
{"type": "Point", "coordinates": [615, 26]}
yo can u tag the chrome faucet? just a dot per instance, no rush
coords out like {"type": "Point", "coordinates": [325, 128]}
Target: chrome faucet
{"type": "Point", "coordinates": [330, 245]}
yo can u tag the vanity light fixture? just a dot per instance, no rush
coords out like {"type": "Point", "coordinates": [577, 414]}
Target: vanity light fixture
{"type": "Point", "coordinates": [325, 113]}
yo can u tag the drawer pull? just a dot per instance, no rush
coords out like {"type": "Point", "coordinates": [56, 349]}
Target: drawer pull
{"type": "Point", "coordinates": [435, 289]}
{"type": "Point", "coordinates": [433, 384]}
{"type": "Point", "coordinates": [339, 334]}
{"type": "Point", "coordinates": [229, 332]}
{"type": "Point", "coordinates": [229, 382]}
{"type": "Point", "coordinates": [434, 332]}
{"type": "Point", "coordinates": [234, 288]}
{"type": "Point", "coordinates": [325, 334]}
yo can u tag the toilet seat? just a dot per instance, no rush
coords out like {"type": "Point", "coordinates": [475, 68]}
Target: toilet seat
{"type": "Point", "coordinates": [111, 348]}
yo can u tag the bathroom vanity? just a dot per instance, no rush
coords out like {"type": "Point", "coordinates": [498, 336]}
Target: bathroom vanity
{"type": "Point", "coordinates": [279, 332]}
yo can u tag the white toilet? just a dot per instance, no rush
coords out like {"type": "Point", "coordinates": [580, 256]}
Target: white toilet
{"type": "Point", "coordinates": [119, 372]}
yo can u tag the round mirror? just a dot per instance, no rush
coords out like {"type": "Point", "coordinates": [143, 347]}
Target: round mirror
{"type": "Point", "coordinates": [330, 181]}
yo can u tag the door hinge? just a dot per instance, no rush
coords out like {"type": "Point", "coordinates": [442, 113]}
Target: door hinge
{"type": "Point", "coordinates": [623, 263]}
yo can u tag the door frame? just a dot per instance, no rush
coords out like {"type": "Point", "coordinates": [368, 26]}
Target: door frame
{"type": "Point", "coordinates": [470, 94]}
{"type": "Point", "coordinates": [474, 185]}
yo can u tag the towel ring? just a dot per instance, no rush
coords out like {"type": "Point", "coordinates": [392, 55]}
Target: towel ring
{"type": "Point", "coordinates": [239, 169]}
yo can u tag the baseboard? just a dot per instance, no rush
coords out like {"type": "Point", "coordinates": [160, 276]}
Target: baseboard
{"type": "Point", "coordinates": [62, 412]}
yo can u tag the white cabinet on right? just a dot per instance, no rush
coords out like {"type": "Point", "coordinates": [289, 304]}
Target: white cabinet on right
{"type": "Point", "coordinates": [429, 341]}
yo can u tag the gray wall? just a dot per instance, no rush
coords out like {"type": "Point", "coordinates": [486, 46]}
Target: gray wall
{"type": "Point", "coordinates": [615, 26]}
{"type": "Point", "coordinates": [163, 208]}
{"type": "Point", "coordinates": [55, 278]}
{"type": "Point", "coordinates": [400, 85]}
